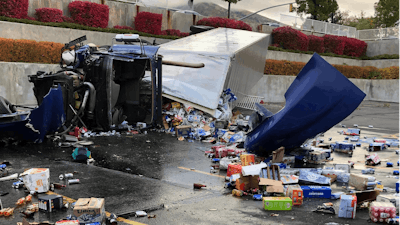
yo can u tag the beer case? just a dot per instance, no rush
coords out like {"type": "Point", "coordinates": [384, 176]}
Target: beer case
{"type": "Point", "coordinates": [277, 203]}
{"type": "Point", "coordinates": [295, 193]}
{"type": "Point", "coordinates": [50, 203]}
{"type": "Point", "coordinates": [90, 210]}
{"type": "Point", "coordinates": [233, 168]}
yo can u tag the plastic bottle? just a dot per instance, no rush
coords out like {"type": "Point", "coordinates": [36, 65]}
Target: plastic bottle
{"type": "Point", "coordinates": [28, 198]}
{"type": "Point", "coordinates": [236, 192]}
{"type": "Point", "coordinates": [374, 219]}
{"type": "Point", "coordinates": [20, 201]}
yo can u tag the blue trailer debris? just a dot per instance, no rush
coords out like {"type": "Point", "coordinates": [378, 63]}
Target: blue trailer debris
{"type": "Point", "coordinates": [319, 98]}
{"type": "Point", "coordinates": [377, 147]}
{"type": "Point", "coordinates": [343, 147]}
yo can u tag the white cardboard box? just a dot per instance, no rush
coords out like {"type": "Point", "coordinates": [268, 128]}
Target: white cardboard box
{"type": "Point", "coordinates": [37, 179]}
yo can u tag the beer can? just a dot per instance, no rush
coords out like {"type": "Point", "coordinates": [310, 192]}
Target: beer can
{"type": "Point", "coordinates": [73, 181]}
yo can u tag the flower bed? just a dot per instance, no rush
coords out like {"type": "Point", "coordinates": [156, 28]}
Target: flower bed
{"type": "Point", "coordinates": [289, 38]}
{"type": "Point", "coordinates": [283, 67]}
{"type": "Point", "coordinates": [14, 8]}
{"type": "Point", "coordinates": [49, 15]}
{"type": "Point", "coordinates": [224, 22]}
{"type": "Point", "coordinates": [148, 22]}
{"type": "Point", "coordinates": [316, 44]}
{"type": "Point", "coordinates": [89, 14]}
{"type": "Point", "coordinates": [29, 51]}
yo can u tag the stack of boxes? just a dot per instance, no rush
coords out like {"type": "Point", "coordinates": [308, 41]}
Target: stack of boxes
{"type": "Point", "coordinates": [347, 207]}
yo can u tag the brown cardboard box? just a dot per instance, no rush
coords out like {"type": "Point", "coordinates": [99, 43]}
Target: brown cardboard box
{"type": "Point", "coordinates": [333, 177]}
{"type": "Point", "coordinates": [277, 155]}
{"type": "Point", "coordinates": [358, 181]}
{"type": "Point", "coordinates": [85, 207]}
{"type": "Point", "coordinates": [245, 183]}
{"type": "Point", "coordinates": [274, 172]}
{"type": "Point", "coordinates": [364, 196]}
{"type": "Point", "coordinates": [271, 185]}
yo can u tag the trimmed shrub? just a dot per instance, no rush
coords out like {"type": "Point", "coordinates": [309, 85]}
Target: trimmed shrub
{"type": "Point", "coordinates": [29, 51]}
{"type": "Point", "coordinates": [224, 22]}
{"type": "Point", "coordinates": [173, 32]}
{"type": "Point", "coordinates": [148, 22]}
{"type": "Point", "coordinates": [89, 14]}
{"type": "Point", "coordinates": [354, 47]}
{"type": "Point", "coordinates": [14, 8]}
{"type": "Point", "coordinates": [315, 44]}
{"type": "Point", "coordinates": [282, 67]}
{"type": "Point", "coordinates": [334, 44]}
{"type": "Point", "coordinates": [123, 27]}
{"type": "Point", "coordinates": [49, 15]}
{"type": "Point", "coordinates": [290, 38]}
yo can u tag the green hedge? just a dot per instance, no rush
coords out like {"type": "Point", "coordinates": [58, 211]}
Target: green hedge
{"type": "Point", "coordinates": [385, 56]}
{"type": "Point", "coordinates": [81, 27]}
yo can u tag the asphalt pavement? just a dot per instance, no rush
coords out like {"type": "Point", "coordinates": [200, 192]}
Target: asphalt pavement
{"type": "Point", "coordinates": [156, 172]}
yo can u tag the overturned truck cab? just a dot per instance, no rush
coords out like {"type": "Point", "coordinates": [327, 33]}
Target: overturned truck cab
{"type": "Point", "coordinates": [102, 86]}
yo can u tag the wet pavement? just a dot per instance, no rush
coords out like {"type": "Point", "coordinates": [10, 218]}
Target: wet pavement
{"type": "Point", "coordinates": [138, 172]}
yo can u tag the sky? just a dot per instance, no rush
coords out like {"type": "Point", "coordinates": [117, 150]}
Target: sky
{"type": "Point", "coordinates": [353, 6]}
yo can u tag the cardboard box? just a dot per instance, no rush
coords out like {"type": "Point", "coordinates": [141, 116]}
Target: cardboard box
{"type": "Point", "coordinates": [274, 173]}
{"type": "Point", "coordinates": [247, 159]}
{"type": "Point", "coordinates": [289, 159]}
{"type": "Point", "coordinates": [333, 177]}
{"type": "Point", "coordinates": [90, 210]}
{"type": "Point", "coordinates": [183, 131]}
{"type": "Point", "coordinates": [289, 179]}
{"type": "Point", "coordinates": [316, 191]}
{"type": "Point", "coordinates": [50, 203]}
{"type": "Point", "coordinates": [234, 168]}
{"type": "Point", "coordinates": [295, 193]}
{"type": "Point", "coordinates": [245, 183]}
{"type": "Point", "coordinates": [271, 186]}
{"type": "Point", "coordinates": [277, 203]}
{"type": "Point", "coordinates": [358, 181]}
{"type": "Point", "coordinates": [277, 155]}
{"type": "Point", "coordinates": [366, 196]}
{"type": "Point", "coordinates": [348, 206]}
{"type": "Point", "coordinates": [37, 179]}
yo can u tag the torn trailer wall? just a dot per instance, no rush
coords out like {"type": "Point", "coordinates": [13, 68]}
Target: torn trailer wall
{"type": "Point", "coordinates": [232, 59]}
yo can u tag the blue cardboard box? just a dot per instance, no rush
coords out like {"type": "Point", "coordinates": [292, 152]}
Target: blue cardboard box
{"type": "Point", "coordinates": [397, 186]}
{"type": "Point", "coordinates": [183, 131]}
{"type": "Point", "coordinates": [316, 191]}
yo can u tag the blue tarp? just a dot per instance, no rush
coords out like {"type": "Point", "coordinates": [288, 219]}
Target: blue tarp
{"type": "Point", "coordinates": [319, 98]}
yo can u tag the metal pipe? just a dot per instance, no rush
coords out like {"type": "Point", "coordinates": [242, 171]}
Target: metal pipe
{"type": "Point", "coordinates": [183, 64]}
{"type": "Point", "coordinates": [92, 100]}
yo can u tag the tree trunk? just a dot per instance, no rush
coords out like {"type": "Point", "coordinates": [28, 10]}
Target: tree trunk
{"type": "Point", "coordinates": [229, 10]}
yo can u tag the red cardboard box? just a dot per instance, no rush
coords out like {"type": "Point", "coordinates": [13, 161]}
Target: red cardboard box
{"type": "Point", "coordinates": [233, 168]}
{"type": "Point", "coordinates": [247, 159]}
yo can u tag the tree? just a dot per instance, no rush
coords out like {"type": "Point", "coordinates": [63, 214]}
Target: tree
{"type": "Point", "coordinates": [386, 12]}
{"type": "Point", "coordinates": [360, 22]}
{"type": "Point", "coordinates": [319, 9]}
{"type": "Point", "coordinates": [229, 5]}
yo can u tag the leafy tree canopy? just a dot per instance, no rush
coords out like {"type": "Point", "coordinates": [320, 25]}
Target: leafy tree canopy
{"type": "Point", "coordinates": [387, 12]}
{"type": "Point", "coordinates": [319, 9]}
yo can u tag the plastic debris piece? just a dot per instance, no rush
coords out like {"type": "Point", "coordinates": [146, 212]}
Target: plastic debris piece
{"type": "Point", "coordinates": [140, 214]}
